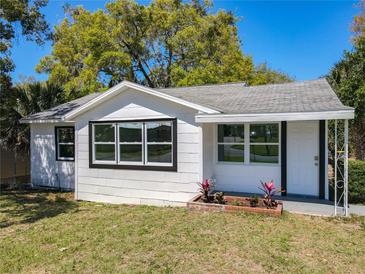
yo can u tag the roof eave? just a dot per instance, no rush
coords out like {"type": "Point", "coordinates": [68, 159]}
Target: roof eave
{"type": "Point", "coordinates": [272, 117]}
{"type": "Point", "coordinates": [43, 121]}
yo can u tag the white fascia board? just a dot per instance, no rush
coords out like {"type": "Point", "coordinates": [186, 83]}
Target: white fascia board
{"type": "Point", "coordinates": [266, 117]}
{"type": "Point", "coordinates": [49, 121]}
{"type": "Point", "coordinates": [123, 86]}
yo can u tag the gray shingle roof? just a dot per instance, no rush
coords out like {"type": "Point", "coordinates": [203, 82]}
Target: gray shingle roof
{"type": "Point", "coordinates": [236, 98]}
{"type": "Point", "coordinates": [57, 112]}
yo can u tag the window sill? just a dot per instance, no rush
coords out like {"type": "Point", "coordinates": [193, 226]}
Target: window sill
{"type": "Point", "coordinates": [248, 164]}
{"type": "Point", "coordinates": [65, 160]}
{"type": "Point", "coordinates": [134, 167]}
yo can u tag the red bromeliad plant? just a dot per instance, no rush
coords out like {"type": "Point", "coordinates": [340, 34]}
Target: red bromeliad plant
{"type": "Point", "coordinates": [270, 190]}
{"type": "Point", "coordinates": [204, 189]}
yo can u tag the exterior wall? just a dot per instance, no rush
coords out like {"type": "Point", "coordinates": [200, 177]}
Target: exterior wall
{"type": "Point", "coordinates": [140, 186]}
{"type": "Point", "coordinates": [45, 170]}
{"type": "Point", "coordinates": [239, 177]}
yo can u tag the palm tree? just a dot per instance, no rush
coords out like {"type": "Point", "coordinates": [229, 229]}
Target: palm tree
{"type": "Point", "coordinates": [19, 102]}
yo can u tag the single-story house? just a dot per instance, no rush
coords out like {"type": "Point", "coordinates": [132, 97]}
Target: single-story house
{"type": "Point", "coordinates": [138, 145]}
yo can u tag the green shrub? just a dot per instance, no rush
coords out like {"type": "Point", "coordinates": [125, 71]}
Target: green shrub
{"type": "Point", "coordinates": [356, 181]}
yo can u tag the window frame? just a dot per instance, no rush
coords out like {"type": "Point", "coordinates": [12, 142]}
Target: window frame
{"type": "Point", "coordinates": [144, 165]}
{"type": "Point", "coordinates": [103, 162]}
{"type": "Point", "coordinates": [247, 160]}
{"type": "Point", "coordinates": [264, 144]}
{"type": "Point", "coordinates": [232, 143]}
{"type": "Point", "coordinates": [146, 143]}
{"type": "Point", "coordinates": [119, 162]}
{"type": "Point", "coordinates": [57, 144]}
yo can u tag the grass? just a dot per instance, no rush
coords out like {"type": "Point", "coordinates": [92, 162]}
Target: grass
{"type": "Point", "coordinates": [49, 232]}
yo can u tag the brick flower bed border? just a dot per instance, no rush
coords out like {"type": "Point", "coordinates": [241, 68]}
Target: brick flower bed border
{"type": "Point", "coordinates": [193, 204]}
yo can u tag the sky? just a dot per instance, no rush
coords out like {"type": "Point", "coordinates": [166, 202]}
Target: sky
{"type": "Point", "coordinates": [301, 38]}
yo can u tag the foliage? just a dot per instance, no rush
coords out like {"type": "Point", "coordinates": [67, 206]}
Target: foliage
{"type": "Point", "coordinates": [19, 102]}
{"type": "Point", "coordinates": [269, 190]}
{"type": "Point", "coordinates": [166, 43]}
{"type": "Point", "coordinates": [265, 75]}
{"type": "Point", "coordinates": [236, 203]}
{"type": "Point", "coordinates": [27, 15]}
{"type": "Point", "coordinates": [347, 77]}
{"type": "Point", "coordinates": [254, 201]}
{"type": "Point", "coordinates": [219, 198]}
{"type": "Point", "coordinates": [358, 26]}
{"type": "Point", "coordinates": [356, 181]}
{"type": "Point", "coordinates": [204, 189]}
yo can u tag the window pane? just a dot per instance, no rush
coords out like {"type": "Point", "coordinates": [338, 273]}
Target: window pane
{"type": "Point", "coordinates": [105, 152]}
{"type": "Point", "coordinates": [130, 153]}
{"type": "Point", "coordinates": [159, 132]}
{"type": "Point", "coordinates": [264, 133]}
{"type": "Point", "coordinates": [130, 132]}
{"type": "Point", "coordinates": [104, 133]}
{"type": "Point", "coordinates": [231, 133]}
{"type": "Point", "coordinates": [65, 135]}
{"type": "Point", "coordinates": [159, 153]}
{"type": "Point", "coordinates": [264, 153]}
{"type": "Point", "coordinates": [66, 151]}
{"type": "Point", "coordinates": [231, 153]}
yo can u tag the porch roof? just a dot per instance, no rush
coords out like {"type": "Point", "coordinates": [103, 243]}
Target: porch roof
{"type": "Point", "coordinates": [237, 98]}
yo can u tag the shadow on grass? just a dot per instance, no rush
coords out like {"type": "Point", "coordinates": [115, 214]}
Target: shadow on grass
{"type": "Point", "coordinates": [22, 207]}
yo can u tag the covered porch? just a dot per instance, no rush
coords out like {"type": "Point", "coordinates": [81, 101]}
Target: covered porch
{"type": "Point", "coordinates": [240, 151]}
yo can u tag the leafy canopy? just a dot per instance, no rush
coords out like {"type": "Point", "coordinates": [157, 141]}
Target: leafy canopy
{"type": "Point", "coordinates": [22, 100]}
{"type": "Point", "coordinates": [33, 26]}
{"type": "Point", "coordinates": [167, 43]}
{"type": "Point", "coordinates": [347, 77]}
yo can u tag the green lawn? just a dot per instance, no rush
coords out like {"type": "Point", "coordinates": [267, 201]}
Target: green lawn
{"type": "Point", "coordinates": [49, 232]}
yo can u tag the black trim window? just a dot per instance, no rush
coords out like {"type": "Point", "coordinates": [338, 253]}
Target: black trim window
{"type": "Point", "coordinates": [65, 143]}
{"type": "Point", "coordinates": [264, 143]}
{"type": "Point", "coordinates": [142, 144]}
{"type": "Point", "coordinates": [231, 143]}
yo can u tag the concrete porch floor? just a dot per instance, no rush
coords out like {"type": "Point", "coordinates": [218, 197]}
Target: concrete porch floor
{"type": "Point", "coordinates": [309, 206]}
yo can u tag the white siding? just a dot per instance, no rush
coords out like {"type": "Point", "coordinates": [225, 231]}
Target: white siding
{"type": "Point", "coordinates": [140, 186]}
{"type": "Point", "coordinates": [45, 170]}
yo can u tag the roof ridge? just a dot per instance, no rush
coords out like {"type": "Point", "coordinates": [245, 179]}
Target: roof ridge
{"type": "Point", "coordinates": [245, 85]}
{"type": "Point", "coordinates": [207, 85]}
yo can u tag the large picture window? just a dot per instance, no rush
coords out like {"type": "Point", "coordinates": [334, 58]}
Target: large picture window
{"type": "Point", "coordinates": [65, 143]}
{"type": "Point", "coordinates": [264, 143]}
{"type": "Point", "coordinates": [142, 144]}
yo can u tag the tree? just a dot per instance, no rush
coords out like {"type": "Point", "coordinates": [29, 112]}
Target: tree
{"type": "Point", "coordinates": [167, 43]}
{"type": "Point", "coordinates": [25, 13]}
{"type": "Point", "coordinates": [19, 102]}
{"type": "Point", "coordinates": [358, 26]}
{"type": "Point", "coordinates": [347, 78]}
{"type": "Point", "coordinates": [265, 75]}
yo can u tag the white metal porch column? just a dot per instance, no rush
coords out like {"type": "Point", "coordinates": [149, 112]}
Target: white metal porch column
{"type": "Point", "coordinates": [341, 171]}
